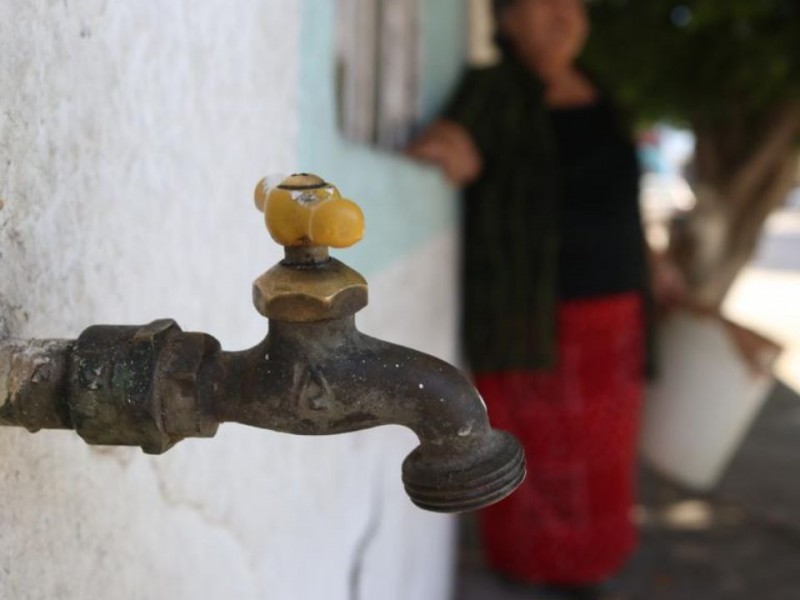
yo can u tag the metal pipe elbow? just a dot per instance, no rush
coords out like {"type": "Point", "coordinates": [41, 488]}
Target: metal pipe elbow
{"type": "Point", "coordinates": [326, 377]}
{"type": "Point", "coordinates": [461, 463]}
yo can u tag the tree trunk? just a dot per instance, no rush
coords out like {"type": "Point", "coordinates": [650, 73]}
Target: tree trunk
{"type": "Point", "coordinates": [743, 169]}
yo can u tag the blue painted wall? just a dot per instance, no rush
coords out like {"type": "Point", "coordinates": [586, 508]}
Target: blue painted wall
{"type": "Point", "coordinates": [404, 204]}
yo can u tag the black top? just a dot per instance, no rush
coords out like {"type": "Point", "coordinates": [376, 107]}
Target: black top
{"type": "Point", "coordinates": [601, 240]}
{"type": "Point", "coordinates": [515, 236]}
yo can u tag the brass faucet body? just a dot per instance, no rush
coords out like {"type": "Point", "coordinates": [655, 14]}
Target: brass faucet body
{"type": "Point", "coordinates": [314, 374]}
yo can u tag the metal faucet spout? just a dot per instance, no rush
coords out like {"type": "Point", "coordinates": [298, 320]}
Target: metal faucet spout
{"type": "Point", "coordinates": [326, 377]}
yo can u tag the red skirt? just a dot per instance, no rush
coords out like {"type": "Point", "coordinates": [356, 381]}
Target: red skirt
{"type": "Point", "coordinates": [570, 521]}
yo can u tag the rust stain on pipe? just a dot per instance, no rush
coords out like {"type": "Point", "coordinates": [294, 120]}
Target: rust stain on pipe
{"type": "Point", "coordinates": [33, 383]}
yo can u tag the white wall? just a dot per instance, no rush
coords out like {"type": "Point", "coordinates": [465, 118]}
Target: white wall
{"type": "Point", "coordinates": [131, 136]}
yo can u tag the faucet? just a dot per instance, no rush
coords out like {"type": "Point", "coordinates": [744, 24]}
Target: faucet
{"type": "Point", "coordinates": [314, 373]}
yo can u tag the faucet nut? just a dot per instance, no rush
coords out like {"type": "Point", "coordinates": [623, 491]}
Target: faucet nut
{"type": "Point", "coordinates": [178, 386]}
{"type": "Point", "coordinates": [329, 290]}
{"type": "Point", "coordinates": [137, 386]}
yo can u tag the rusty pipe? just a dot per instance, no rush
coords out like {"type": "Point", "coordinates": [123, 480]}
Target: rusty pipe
{"type": "Point", "coordinates": [33, 379]}
{"type": "Point", "coordinates": [155, 385]}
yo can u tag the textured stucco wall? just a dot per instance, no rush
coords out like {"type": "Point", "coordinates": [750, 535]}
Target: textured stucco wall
{"type": "Point", "coordinates": [131, 134]}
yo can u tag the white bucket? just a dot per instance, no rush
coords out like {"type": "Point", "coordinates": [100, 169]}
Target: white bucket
{"type": "Point", "coordinates": [706, 397]}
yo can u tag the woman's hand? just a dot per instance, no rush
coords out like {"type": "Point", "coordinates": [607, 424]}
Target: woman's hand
{"type": "Point", "coordinates": [449, 146]}
{"type": "Point", "coordinates": [667, 282]}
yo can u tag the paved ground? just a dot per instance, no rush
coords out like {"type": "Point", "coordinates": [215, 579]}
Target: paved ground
{"type": "Point", "coordinates": [742, 542]}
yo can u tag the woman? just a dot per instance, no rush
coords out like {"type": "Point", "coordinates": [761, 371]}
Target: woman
{"type": "Point", "coordinates": [555, 282]}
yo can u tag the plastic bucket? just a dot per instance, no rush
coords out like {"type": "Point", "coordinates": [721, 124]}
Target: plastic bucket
{"type": "Point", "coordinates": [706, 398]}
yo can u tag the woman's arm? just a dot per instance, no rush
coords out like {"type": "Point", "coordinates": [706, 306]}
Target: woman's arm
{"type": "Point", "coordinates": [458, 140]}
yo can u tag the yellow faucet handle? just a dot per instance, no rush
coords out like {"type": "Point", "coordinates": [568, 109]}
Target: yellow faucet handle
{"type": "Point", "coordinates": [305, 210]}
